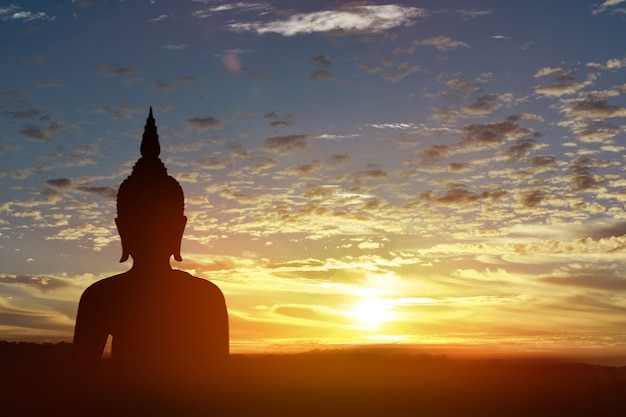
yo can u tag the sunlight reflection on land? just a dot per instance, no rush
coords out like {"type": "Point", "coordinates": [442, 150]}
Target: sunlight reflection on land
{"type": "Point", "coordinates": [590, 349]}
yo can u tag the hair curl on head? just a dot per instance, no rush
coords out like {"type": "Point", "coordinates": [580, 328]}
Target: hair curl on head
{"type": "Point", "coordinates": [149, 190]}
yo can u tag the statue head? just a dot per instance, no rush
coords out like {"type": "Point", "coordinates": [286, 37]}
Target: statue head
{"type": "Point", "coordinates": [150, 204]}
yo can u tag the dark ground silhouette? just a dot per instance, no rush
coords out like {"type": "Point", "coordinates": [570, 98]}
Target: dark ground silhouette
{"type": "Point", "coordinates": [35, 382]}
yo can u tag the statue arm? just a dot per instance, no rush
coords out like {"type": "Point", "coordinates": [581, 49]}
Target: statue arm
{"type": "Point", "coordinates": [90, 333]}
{"type": "Point", "coordinates": [214, 337]}
{"type": "Point", "coordinates": [222, 329]}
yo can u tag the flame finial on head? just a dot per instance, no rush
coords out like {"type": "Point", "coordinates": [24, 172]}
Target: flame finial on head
{"type": "Point", "coordinates": [150, 147]}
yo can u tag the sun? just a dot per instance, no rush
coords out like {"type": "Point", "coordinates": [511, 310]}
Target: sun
{"type": "Point", "coordinates": [371, 313]}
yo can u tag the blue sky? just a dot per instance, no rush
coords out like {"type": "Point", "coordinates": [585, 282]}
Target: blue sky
{"type": "Point", "coordinates": [456, 167]}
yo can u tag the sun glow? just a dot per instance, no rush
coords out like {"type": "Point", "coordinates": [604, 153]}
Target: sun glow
{"type": "Point", "coordinates": [371, 313]}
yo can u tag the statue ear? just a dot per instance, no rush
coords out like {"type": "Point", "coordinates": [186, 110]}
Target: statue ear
{"type": "Point", "coordinates": [177, 253]}
{"type": "Point", "coordinates": [125, 255]}
{"type": "Point", "coordinates": [121, 232]}
{"type": "Point", "coordinates": [179, 237]}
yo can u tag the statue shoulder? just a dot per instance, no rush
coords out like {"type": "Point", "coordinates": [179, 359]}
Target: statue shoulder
{"type": "Point", "coordinates": [201, 284]}
{"type": "Point", "coordinates": [105, 285]}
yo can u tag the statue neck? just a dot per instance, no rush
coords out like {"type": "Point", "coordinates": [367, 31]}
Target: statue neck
{"type": "Point", "coordinates": [150, 266]}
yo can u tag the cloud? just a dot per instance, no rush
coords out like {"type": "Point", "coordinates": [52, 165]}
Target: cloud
{"type": "Point", "coordinates": [279, 123]}
{"type": "Point", "coordinates": [329, 136]}
{"type": "Point", "coordinates": [230, 193]}
{"type": "Point", "coordinates": [611, 64]}
{"type": "Point", "coordinates": [492, 134]}
{"type": "Point", "coordinates": [302, 314]}
{"type": "Point", "coordinates": [581, 176]}
{"type": "Point", "coordinates": [320, 192]}
{"type": "Point", "coordinates": [593, 131]}
{"type": "Point", "coordinates": [306, 169]}
{"type": "Point", "coordinates": [460, 167]}
{"type": "Point", "coordinates": [23, 114]}
{"type": "Point", "coordinates": [369, 245]}
{"type": "Point", "coordinates": [337, 160]}
{"type": "Point", "coordinates": [347, 20]}
{"type": "Point", "coordinates": [49, 81]}
{"type": "Point", "coordinates": [614, 64]}
{"type": "Point", "coordinates": [175, 47]}
{"type": "Point", "coordinates": [285, 145]}
{"type": "Point", "coordinates": [280, 120]}
{"type": "Point", "coordinates": [205, 123]}
{"type": "Point", "coordinates": [322, 60]}
{"type": "Point", "coordinates": [477, 137]}
{"type": "Point", "coordinates": [115, 71]}
{"type": "Point", "coordinates": [34, 214]}
{"type": "Point", "coordinates": [77, 155]}
{"type": "Point", "coordinates": [122, 111]}
{"type": "Point", "coordinates": [402, 126]}
{"type": "Point", "coordinates": [232, 62]}
{"type": "Point", "coordinates": [606, 238]}
{"type": "Point", "coordinates": [371, 174]}
{"type": "Point", "coordinates": [130, 75]}
{"type": "Point", "coordinates": [592, 105]}
{"type": "Point", "coordinates": [466, 88]}
{"type": "Point", "coordinates": [12, 99]}
{"type": "Point", "coordinates": [436, 153]}
{"type": "Point", "coordinates": [520, 150]}
{"type": "Point", "coordinates": [38, 304]}
{"type": "Point", "coordinates": [108, 193]}
{"type": "Point", "coordinates": [400, 70]}
{"type": "Point", "coordinates": [42, 132]}
{"type": "Point", "coordinates": [457, 194]}
{"type": "Point", "coordinates": [68, 184]}
{"type": "Point", "coordinates": [563, 82]}
{"type": "Point", "coordinates": [239, 5]}
{"type": "Point", "coordinates": [603, 231]}
{"type": "Point", "coordinates": [588, 115]}
{"type": "Point", "coordinates": [525, 116]}
{"type": "Point", "coordinates": [532, 199]}
{"type": "Point", "coordinates": [459, 89]}
{"type": "Point", "coordinates": [467, 14]}
{"type": "Point", "coordinates": [100, 237]}
{"type": "Point", "coordinates": [212, 162]}
{"type": "Point", "coordinates": [483, 106]}
{"type": "Point", "coordinates": [64, 183]}
{"type": "Point", "coordinates": [159, 18]}
{"type": "Point", "coordinates": [369, 68]}
{"type": "Point", "coordinates": [262, 163]}
{"type": "Point", "coordinates": [190, 79]}
{"type": "Point", "coordinates": [443, 43]}
{"type": "Point", "coordinates": [321, 75]}
{"type": "Point", "coordinates": [607, 4]}
{"type": "Point", "coordinates": [596, 277]}
{"type": "Point", "coordinates": [14, 12]}
{"type": "Point", "coordinates": [163, 85]}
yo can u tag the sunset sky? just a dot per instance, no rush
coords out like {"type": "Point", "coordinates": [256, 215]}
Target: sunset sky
{"type": "Point", "coordinates": [420, 172]}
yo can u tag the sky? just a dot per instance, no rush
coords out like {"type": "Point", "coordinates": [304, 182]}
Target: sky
{"type": "Point", "coordinates": [415, 173]}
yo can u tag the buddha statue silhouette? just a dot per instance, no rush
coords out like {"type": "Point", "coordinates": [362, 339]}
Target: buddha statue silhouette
{"type": "Point", "coordinates": [158, 317]}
